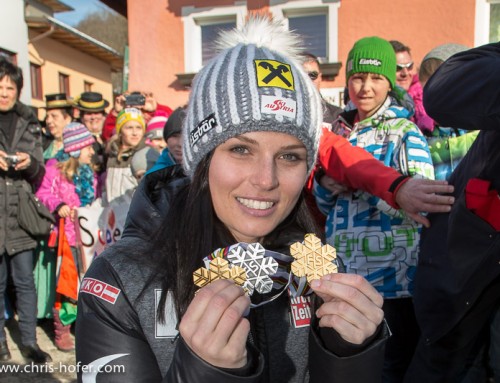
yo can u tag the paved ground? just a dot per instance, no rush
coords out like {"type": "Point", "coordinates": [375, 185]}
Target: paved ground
{"type": "Point", "coordinates": [61, 370]}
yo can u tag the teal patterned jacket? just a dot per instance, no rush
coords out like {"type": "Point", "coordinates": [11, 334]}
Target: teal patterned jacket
{"type": "Point", "coordinates": [372, 238]}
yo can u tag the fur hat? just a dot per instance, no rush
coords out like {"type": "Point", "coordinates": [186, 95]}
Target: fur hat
{"type": "Point", "coordinates": [76, 136]}
{"type": "Point", "coordinates": [255, 84]}
{"type": "Point", "coordinates": [372, 55]}
{"type": "Point", "coordinates": [126, 115]}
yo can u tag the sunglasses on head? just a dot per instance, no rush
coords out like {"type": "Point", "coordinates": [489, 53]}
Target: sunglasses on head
{"type": "Point", "coordinates": [400, 67]}
{"type": "Point", "coordinates": [313, 75]}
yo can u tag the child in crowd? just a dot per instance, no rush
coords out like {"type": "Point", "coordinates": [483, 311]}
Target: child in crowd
{"type": "Point", "coordinates": [373, 239]}
{"type": "Point", "coordinates": [70, 181]}
{"type": "Point", "coordinates": [130, 128]}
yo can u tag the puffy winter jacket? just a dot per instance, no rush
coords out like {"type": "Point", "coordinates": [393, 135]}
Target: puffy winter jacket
{"type": "Point", "coordinates": [117, 324]}
{"type": "Point", "coordinates": [27, 139]}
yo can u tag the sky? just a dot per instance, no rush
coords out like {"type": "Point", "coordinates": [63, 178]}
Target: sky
{"type": "Point", "coordinates": [81, 9]}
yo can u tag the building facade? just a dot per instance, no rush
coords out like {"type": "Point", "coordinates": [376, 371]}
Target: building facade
{"type": "Point", "coordinates": [54, 57]}
{"type": "Point", "coordinates": [169, 40]}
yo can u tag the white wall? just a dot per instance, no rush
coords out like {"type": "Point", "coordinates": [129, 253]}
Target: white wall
{"type": "Point", "coordinates": [14, 38]}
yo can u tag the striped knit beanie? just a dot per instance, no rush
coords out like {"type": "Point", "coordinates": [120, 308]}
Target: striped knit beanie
{"type": "Point", "coordinates": [155, 127]}
{"type": "Point", "coordinates": [255, 84]}
{"type": "Point", "coordinates": [76, 136]}
{"type": "Point", "coordinates": [372, 55]}
{"type": "Point", "coordinates": [129, 114]}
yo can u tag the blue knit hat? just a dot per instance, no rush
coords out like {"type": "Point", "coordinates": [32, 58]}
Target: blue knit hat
{"type": "Point", "coordinates": [76, 136]}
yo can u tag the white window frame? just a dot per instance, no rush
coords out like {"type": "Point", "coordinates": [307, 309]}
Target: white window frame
{"type": "Point", "coordinates": [283, 10]}
{"type": "Point", "coordinates": [482, 21]}
{"type": "Point", "coordinates": [193, 18]}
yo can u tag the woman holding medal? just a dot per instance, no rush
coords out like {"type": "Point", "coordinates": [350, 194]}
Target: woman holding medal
{"type": "Point", "coordinates": [250, 140]}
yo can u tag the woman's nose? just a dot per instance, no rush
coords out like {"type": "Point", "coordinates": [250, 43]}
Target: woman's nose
{"type": "Point", "coordinates": [264, 174]}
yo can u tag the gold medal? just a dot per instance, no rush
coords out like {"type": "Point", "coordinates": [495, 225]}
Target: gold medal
{"type": "Point", "coordinates": [313, 259]}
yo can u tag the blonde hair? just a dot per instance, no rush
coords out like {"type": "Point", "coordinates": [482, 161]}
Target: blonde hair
{"type": "Point", "coordinates": [69, 168]}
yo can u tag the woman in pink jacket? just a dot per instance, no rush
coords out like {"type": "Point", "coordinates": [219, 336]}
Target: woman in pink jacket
{"type": "Point", "coordinates": [70, 182]}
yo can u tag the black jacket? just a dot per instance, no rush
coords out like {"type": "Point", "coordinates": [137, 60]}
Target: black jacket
{"type": "Point", "coordinates": [460, 253]}
{"type": "Point", "coordinates": [27, 139]}
{"type": "Point", "coordinates": [120, 327]}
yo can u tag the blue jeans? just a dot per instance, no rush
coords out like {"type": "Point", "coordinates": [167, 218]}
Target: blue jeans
{"type": "Point", "coordinates": [20, 268]}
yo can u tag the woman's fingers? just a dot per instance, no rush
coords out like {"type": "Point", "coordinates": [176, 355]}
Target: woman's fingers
{"type": "Point", "coordinates": [351, 306]}
{"type": "Point", "coordinates": [213, 325]}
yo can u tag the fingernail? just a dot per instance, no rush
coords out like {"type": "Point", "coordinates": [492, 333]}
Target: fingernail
{"type": "Point", "coordinates": [315, 283]}
{"type": "Point", "coordinates": [246, 312]}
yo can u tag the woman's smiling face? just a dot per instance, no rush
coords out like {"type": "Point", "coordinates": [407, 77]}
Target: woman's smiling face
{"type": "Point", "coordinates": [255, 182]}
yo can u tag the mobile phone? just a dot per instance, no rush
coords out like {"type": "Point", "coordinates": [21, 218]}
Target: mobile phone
{"type": "Point", "coordinates": [11, 160]}
{"type": "Point", "coordinates": [135, 99]}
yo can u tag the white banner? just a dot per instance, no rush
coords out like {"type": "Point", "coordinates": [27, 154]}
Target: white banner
{"type": "Point", "coordinates": [99, 227]}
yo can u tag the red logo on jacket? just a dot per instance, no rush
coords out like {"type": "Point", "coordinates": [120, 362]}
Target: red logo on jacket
{"type": "Point", "coordinates": [100, 289]}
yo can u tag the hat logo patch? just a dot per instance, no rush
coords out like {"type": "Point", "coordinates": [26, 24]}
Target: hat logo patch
{"type": "Point", "coordinates": [271, 73]}
{"type": "Point", "coordinates": [374, 62]}
{"type": "Point", "coordinates": [279, 105]}
{"type": "Point", "coordinates": [203, 128]}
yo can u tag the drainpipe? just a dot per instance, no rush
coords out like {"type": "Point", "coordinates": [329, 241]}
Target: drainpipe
{"type": "Point", "coordinates": [43, 35]}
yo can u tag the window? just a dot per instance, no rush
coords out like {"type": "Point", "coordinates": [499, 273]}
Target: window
{"type": "Point", "coordinates": [201, 27]}
{"type": "Point", "coordinates": [36, 81]}
{"type": "Point", "coordinates": [313, 30]}
{"type": "Point", "coordinates": [209, 34]}
{"type": "Point", "coordinates": [87, 86]}
{"type": "Point", "coordinates": [11, 56]}
{"type": "Point", "coordinates": [316, 21]}
{"type": "Point", "coordinates": [494, 22]}
{"type": "Point", "coordinates": [64, 83]}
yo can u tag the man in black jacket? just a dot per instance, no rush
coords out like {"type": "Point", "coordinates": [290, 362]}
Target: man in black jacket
{"type": "Point", "coordinates": [458, 275]}
{"type": "Point", "coordinates": [21, 165]}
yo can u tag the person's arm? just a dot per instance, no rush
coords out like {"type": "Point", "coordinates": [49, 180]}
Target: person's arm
{"type": "Point", "coordinates": [357, 168]}
{"type": "Point", "coordinates": [45, 192]}
{"type": "Point", "coordinates": [465, 90]}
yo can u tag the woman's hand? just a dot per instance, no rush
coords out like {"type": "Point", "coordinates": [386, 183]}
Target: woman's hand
{"type": "Point", "coordinates": [23, 161]}
{"type": "Point", "coordinates": [351, 306]}
{"type": "Point", "coordinates": [214, 327]}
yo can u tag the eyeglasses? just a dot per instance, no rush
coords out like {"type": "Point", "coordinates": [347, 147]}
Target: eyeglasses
{"type": "Point", "coordinates": [313, 75]}
{"type": "Point", "coordinates": [400, 67]}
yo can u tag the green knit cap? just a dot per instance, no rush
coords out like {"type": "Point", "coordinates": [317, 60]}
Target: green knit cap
{"type": "Point", "coordinates": [372, 55]}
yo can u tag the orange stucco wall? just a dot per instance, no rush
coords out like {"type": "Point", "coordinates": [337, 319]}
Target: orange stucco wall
{"type": "Point", "coordinates": [419, 24]}
{"type": "Point", "coordinates": [55, 57]}
{"type": "Point", "coordinates": [157, 43]}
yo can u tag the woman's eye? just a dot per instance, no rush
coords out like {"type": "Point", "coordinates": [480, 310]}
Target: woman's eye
{"type": "Point", "coordinates": [239, 149]}
{"type": "Point", "coordinates": [291, 157]}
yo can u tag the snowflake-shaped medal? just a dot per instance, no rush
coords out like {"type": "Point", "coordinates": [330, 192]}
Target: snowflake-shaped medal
{"type": "Point", "coordinates": [312, 258]}
{"type": "Point", "coordinates": [219, 268]}
{"type": "Point", "coordinates": [257, 265]}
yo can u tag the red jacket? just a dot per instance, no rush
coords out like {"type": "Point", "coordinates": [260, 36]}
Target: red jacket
{"type": "Point", "coordinates": [354, 167]}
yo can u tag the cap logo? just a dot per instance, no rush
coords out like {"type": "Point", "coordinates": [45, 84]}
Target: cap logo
{"type": "Point", "coordinates": [271, 73]}
{"type": "Point", "coordinates": [203, 128]}
{"type": "Point", "coordinates": [278, 105]}
{"type": "Point", "coordinates": [374, 62]}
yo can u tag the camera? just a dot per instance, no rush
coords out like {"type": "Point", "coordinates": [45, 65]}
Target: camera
{"type": "Point", "coordinates": [135, 99]}
{"type": "Point", "coordinates": [11, 159]}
